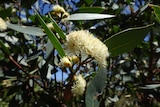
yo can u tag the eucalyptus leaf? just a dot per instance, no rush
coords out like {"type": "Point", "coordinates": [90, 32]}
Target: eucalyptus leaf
{"type": "Point", "coordinates": [26, 29]}
{"type": "Point", "coordinates": [150, 86]}
{"type": "Point", "coordinates": [88, 16]}
{"type": "Point", "coordinates": [95, 89]}
{"type": "Point", "coordinates": [126, 40]}
{"type": "Point", "coordinates": [52, 37]}
{"type": "Point", "coordinates": [58, 30]}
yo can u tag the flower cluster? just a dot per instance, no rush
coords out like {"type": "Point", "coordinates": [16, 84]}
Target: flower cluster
{"type": "Point", "coordinates": [68, 61]}
{"type": "Point", "coordinates": [79, 85]}
{"type": "Point", "coordinates": [83, 42]}
{"type": "Point", "coordinates": [3, 25]}
{"type": "Point", "coordinates": [58, 10]}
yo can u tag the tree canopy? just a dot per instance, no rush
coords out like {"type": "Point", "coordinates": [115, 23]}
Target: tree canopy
{"type": "Point", "coordinates": [79, 53]}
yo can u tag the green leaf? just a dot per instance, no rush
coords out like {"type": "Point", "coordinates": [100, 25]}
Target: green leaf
{"type": "Point", "coordinates": [156, 11]}
{"type": "Point", "coordinates": [52, 37]}
{"type": "Point", "coordinates": [95, 88]}
{"type": "Point", "coordinates": [88, 16]}
{"type": "Point", "coordinates": [4, 48]}
{"type": "Point", "coordinates": [58, 30]}
{"type": "Point", "coordinates": [34, 18]}
{"type": "Point", "coordinates": [55, 25]}
{"type": "Point", "coordinates": [126, 40]}
{"type": "Point", "coordinates": [90, 10]}
{"type": "Point", "coordinates": [26, 29]}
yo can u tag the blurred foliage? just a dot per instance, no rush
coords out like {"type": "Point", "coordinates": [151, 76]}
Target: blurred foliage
{"type": "Point", "coordinates": [30, 52]}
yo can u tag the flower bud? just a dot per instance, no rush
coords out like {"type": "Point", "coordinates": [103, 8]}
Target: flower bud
{"type": "Point", "coordinates": [65, 62]}
{"type": "Point", "coordinates": [75, 59]}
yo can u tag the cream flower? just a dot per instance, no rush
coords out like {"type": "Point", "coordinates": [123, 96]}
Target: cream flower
{"type": "Point", "coordinates": [65, 62]}
{"type": "Point", "coordinates": [79, 85]}
{"type": "Point", "coordinates": [83, 42]}
{"type": "Point", "coordinates": [50, 26]}
{"type": "Point", "coordinates": [3, 25]}
{"type": "Point", "coordinates": [58, 9]}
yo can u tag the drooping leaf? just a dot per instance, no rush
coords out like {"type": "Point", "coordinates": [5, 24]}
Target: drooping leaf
{"type": "Point", "coordinates": [52, 37]}
{"type": "Point", "coordinates": [88, 16]}
{"type": "Point", "coordinates": [156, 11]}
{"type": "Point", "coordinates": [95, 89]}
{"type": "Point", "coordinates": [90, 10]}
{"type": "Point", "coordinates": [126, 40]}
{"type": "Point", "coordinates": [26, 29]}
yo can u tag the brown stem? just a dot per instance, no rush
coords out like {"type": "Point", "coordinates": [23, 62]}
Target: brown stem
{"type": "Point", "coordinates": [15, 63]}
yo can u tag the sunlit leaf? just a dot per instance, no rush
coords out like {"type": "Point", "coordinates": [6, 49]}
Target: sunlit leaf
{"type": "Point", "coordinates": [52, 37]}
{"type": "Point", "coordinates": [88, 16]}
{"type": "Point", "coordinates": [26, 29]}
{"type": "Point", "coordinates": [95, 89]}
{"type": "Point", "coordinates": [126, 40]}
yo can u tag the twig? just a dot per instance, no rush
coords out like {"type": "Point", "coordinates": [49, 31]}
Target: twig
{"type": "Point", "coordinates": [13, 61]}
